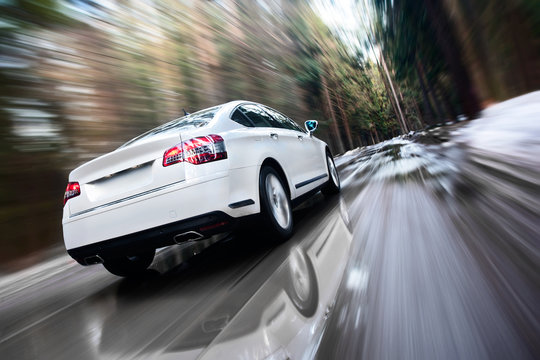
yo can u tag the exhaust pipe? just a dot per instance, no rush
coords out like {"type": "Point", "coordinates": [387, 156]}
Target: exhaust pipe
{"type": "Point", "coordinates": [187, 236]}
{"type": "Point", "coordinates": [92, 260]}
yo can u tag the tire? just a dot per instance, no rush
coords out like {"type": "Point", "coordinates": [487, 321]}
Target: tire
{"type": "Point", "coordinates": [333, 186]}
{"type": "Point", "coordinates": [130, 265]}
{"type": "Point", "coordinates": [276, 209]}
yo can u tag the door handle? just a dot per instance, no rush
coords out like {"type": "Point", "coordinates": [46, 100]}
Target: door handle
{"type": "Point", "coordinates": [300, 137]}
{"type": "Point", "coordinates": [274, 136]}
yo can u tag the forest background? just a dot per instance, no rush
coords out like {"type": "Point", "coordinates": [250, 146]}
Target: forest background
{"type": "Point", "coordinates": [81, 77]}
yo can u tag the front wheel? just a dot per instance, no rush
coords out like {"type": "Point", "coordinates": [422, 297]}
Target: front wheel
{"type": "Point", "coordinates": [333, 186]}
{"type": "Point", "coordinates": [130, 265]}
{"type": "Point", "coordinates": [276, 207]}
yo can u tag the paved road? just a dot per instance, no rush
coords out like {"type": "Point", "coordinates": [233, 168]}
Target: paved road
{"type": "Point", "coordinates": [431, 251]}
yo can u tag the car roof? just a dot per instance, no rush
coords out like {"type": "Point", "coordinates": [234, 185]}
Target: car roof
{"type": "Point", "coordinates": [232, 104]}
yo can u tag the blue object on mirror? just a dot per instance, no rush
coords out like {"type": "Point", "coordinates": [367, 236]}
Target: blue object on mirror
{"type": "Point", "coordinates": [311, 125]}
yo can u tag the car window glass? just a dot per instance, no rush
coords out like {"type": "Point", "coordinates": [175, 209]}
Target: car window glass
{"type": "Point", "coordinates": [284, 121]}
{"type": "Point", "coordinates": [295, 125]}
{"type": "Point", "coordinates": [257, 115]}
{"type": "Point", "coordinates": [197, 119]}
{"type": "Point", "coordinates": [278, 118]}
{"type": "Point", "coordinates": [275, 122]}
{"type": "Point", "coordinates": [240, 118]}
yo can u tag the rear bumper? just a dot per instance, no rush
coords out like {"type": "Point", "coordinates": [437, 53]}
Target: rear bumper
{"type": "Point", "coordinates": [160, 236]}
{"type": "Point", "coordinates": [173, 205]}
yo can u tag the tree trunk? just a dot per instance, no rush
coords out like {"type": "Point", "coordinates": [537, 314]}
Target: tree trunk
{"type": "Point", "coordinates": [391, 99]}
{"type": "Point", "coordinates": [401, 118]}
{"type": "Point", "coordinates": [452, 53]}
{"type": "Point", "coordinates": [417, 109]}
{"type": "Point", "coordinates": [524, 54]}
{"type": "Point", "coordinates": [431, 98]}
{"type": "Point", "coordinates": [407, 121]}
{"type": "Point", "coordinates": [448, 108]}
{"type": "Point", "coordinates": [378, 61]}
{"type": "Point", "coordinates": [345, 121]}
{"type": "Point", "coordinates": [472, 36]}
{"type": "Point", "coordinates": [333, 124]}
{"type": "Point", "coordinates": [376, 135]}
{"type": "Point", "coordinates": [429, 113]}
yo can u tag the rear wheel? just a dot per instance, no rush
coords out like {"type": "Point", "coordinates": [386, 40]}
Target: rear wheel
{"type": "Point", "coordinates": [276, 207]}
{"type": "Point", "coordinates": [130, 265]}
{"type": "Point", "coordinates": [333, 186]}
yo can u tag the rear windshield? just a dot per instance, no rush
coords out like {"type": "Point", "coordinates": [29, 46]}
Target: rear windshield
{"type": "Point", "coordinates": [195, 120]}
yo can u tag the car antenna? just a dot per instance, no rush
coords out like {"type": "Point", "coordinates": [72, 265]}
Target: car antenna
{"type": "Point", "coordinates": [185, 112]}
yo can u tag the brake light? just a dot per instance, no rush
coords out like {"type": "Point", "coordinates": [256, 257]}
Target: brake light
{"type": "Point", "coordinates": [73, 189]}
{"type": "Point", "coordinates": [173, 155]}
{"type": "Point", "coordinates": [199, 150]}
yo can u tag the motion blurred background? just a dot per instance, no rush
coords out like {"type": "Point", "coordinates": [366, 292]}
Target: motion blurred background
{"type": "Point", "coordinates": [81, 77]}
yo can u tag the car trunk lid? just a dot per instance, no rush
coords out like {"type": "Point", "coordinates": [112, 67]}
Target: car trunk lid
{"type": "Point", "coordinates": [125, 173]}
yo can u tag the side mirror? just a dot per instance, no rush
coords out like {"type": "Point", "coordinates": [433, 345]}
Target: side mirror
{"type": "Point", "coordinates": [311, 125]}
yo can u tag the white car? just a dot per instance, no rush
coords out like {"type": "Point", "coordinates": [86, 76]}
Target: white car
{"type": "Point", "coordinates": [191, 178]}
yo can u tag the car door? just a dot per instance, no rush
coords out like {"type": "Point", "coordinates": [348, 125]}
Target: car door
{"type": "Point", "coordinates": [315, 150]}
{"type": "Point", "coordinates": [283, 146]}
{"type": "Point", "coordinates": [304, 153]}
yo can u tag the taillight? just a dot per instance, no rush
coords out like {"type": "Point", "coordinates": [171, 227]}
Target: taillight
{"type": "Point", "coordinates": [173, 155]}
{"type": "Point", "coordinates": [199, 150]}
{"type": "Point", "coordinates": [73, 189]}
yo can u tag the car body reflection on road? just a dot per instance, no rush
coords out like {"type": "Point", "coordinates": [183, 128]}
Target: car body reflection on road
{"type": "Point", "coordinates": [277, 306]}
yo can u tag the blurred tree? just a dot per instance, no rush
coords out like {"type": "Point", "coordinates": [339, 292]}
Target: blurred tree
{"type": "Point", "coordinates": [461, 55]}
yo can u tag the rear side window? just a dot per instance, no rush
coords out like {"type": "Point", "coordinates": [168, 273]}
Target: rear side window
{"type": "Point", "coordinates": [240, 118]}
{"type": "Point", "coordinates": [258, 116]}
{"type": "Point", "coordinates": [197, 119]}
